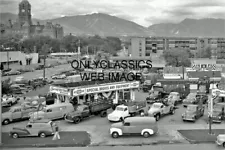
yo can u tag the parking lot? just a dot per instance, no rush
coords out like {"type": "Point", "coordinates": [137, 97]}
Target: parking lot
{"type": "Point", "coordinates": [98, 121]}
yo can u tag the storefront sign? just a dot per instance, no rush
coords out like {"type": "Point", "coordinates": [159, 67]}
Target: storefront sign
{"type": "Point", "coordinates": [106, 88]}
{"type": "Point", "coordinates": [217, 92]}
{"type": "Point", "coordinates": [59, 90]}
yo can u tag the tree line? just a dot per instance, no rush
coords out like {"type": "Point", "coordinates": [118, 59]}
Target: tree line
{"type": "Point", "coordinates": [69, 43]}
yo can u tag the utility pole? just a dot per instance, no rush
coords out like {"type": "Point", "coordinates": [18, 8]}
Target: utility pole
{"type": "Point", "coordinates": [87, 50]}
{"type": "Point", "coordinates": [211, 108]}
{"type": "Point", "coordinates": [8, 59]}
{"type": "Point", "coordinates": [1, 107]}
{"type": "Point", "coordinates": [45, 50]}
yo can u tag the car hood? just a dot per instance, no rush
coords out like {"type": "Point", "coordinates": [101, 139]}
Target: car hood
{"type": "Point", "coordinates": [115, 113]}
{"type": "Point", "coordinates": [190, 113]}
{"type": "Point", "coordinates": [216, 113]}
{"type": "Point", "coordinates": [116, 125]}
{"type": "Point", "coordinates": [73, 113]}
{"type": "Point", "coordinates": [153, 110]}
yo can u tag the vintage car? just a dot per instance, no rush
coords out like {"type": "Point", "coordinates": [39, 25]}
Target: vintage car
{"type": "Point", "coordinates": [9, 100]}
{"type": "Point", "coordinates": [145, 126]}
{"type": "Point", "coordinates": [58, 76]}
{"type": "Point", "coordinates": [202, 97]}
{"type": "Point", "coordinates": [10, 73]}
{"type": "Point", "coordinates": [160, 109]}
{"type": "Point", "coordinates": [17, 113]}
{"type": "Point", "coordinates": [218, 112]}
{"type": "Point", "coordinates": [190, 99]}
{"type": "Point", "coordinates": [220, 140]}
{"type": "Point", "coordinates": [193, 112]}
{"type": "Point", "coordinates": [41, 128]}
{"type": "Point", "coordinates": [174, 97]}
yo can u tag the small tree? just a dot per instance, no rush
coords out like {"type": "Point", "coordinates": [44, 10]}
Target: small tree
{"type": "Point", "coordinates": [177, 58]}
{"type": "Point", "coordinates": [204, 53]}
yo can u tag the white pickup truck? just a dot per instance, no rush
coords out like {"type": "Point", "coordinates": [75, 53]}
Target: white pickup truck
{"type": "Point", "coordinates": [129, 109]}
{"type": "Point", "coordinates": [160, 109]}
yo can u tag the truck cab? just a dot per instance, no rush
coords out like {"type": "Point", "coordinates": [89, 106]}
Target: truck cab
{"type": "Point", "coordinates": [119, 113]}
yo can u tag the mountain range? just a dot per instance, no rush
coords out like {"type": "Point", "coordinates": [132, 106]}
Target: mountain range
{"type": "Point", "coordinates": [107, 25]}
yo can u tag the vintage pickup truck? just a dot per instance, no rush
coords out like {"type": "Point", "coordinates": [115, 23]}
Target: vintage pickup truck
{"type": "Point", "coordinates": [17, 113]}
{"type": "Point", "coordinates": [218, 112]}
{"type": "Point", "coordinates": [158, 110]}
{"type": "Point", "coordinates": [193, 112]}
{"type": "Point", "coordinates": [85, 111]}
{"type": "Point", "coordinates": [129, 109]}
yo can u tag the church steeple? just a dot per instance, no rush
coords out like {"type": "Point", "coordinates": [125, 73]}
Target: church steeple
{"type": "Point", "coordinates": [24, 13]}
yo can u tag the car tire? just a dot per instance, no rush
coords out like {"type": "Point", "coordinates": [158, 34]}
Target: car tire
{"type": "Point", "coordinates": [6, 121]}
{"type": "Point", "coordinates": [146, 134]}
{"type": "Point", "coordinates": [115, 135]}
{"type": "Point", "coordinates": [103, 114]}
{"type": "Point", "coordinates": [224, 144]}
{"type": "Point", "coordinates": [77, 120]}
{"type": "Point", "coordinates": [15, 135]}
{"type": "Point", "coordinates": [42, 135]}
{"type": "Point", "coordinates": [157, 117]}
{"type": "Point", "coordinates": [172, 111]}
{"type": "Point", "coordinates": [121, 119]}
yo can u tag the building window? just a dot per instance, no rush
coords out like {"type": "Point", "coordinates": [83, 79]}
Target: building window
{"type": "Point", "coordinates": [147, 54]}
{"type": "Point", "coordinates": [140, 49]}
{"type": "Point", "coordinates": [140, 54]}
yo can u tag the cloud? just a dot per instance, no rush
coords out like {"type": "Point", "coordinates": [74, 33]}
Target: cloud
{"type": "Point", "coordinates": [143, 12]}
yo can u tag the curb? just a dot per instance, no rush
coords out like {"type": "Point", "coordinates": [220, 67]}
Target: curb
{"type": "Point", "coordinates": [141, 144]}
{"type": "Point", "coordinates": [42, 145]}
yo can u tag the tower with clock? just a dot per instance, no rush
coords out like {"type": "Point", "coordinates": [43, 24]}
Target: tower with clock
{"type": "Point", "coordinates": [24, 13]}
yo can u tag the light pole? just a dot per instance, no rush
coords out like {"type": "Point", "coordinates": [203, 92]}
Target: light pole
{"type": "Point", "coordinates": [211, 107]}
{"type": "Point", "coordinates": [0, 108]}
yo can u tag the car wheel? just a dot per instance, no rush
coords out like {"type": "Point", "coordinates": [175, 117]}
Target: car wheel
{"type": "Point", "coordinates": [42, 135]}
{"type": "Point", "coordinates": [146, 134]}
{"type": "Point", "coordinates": [77, 120]}
{"type": "Point", "coordinates": [121, 119]}
{"type": "Point", "coordinates": [157, 117]}
{"type": "Point", "coordinates": [103, 114]}
{"type": "Point", "coordinates": [15, 135]}
{"type": "Point", "coordinates": [6, 121]}
{"type": "Point", "coordinates": [115, 134]}
{"type": "Point", "coordinates": [172, 111]}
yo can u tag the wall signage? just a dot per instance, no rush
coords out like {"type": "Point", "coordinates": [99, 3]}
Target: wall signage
{"type": "Point", "coordinates": [59, 90]}
{"type": "Point", "coordinates": [105, 88]}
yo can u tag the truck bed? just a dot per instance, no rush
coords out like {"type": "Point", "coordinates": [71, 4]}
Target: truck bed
{"type": "Point", "coordinates": [100, 104]}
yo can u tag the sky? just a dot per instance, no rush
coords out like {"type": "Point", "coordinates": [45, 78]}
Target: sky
{"type": "Point", "coordinates": [142, 12]}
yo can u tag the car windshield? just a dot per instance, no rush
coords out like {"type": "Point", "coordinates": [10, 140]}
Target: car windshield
{"type": "Point", "coordinates": [119, 108]}
{"type": "Point", "coordinates": [191, 108]}
{"type": "Point", "coordinates": [216, 110]}
{"type": "Point", "coordinates": [156, 106]}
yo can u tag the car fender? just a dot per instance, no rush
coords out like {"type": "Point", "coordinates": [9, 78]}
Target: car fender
{"type": "Point", "coordinates": [120, 132]}
{"type": "Point", "coordinates": [150, 131]}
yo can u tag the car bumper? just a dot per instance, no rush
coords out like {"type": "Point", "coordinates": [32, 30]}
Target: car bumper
{"type": "Point", "coordinates": [68, 120]}
{"type": "Point", "coordinates": [219, 143]}
{"type": "Point", "coordinates": [216, 120]}
{"type": "Point", "coordinates": [113, 119]}
{"type": "Point", "coordinates": [188, 119]}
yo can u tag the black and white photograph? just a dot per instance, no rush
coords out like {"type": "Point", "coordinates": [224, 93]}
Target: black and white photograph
{"type": "Point", "coordinates": [112, 74]}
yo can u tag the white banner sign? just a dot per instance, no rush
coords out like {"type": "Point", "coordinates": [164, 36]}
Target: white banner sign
{"type": "Point", "coordinates": [106, 88]}
{"type": "Point", "coordinates": [59, 90]}
{"type": "Point", "coordinates": [217, 92]}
